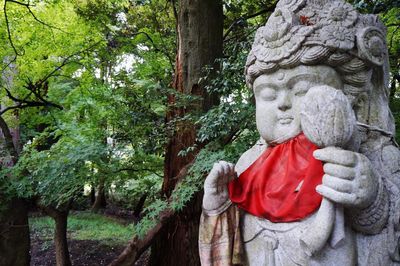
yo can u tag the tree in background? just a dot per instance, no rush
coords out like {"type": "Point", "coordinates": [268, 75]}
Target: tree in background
{"type": "Point", "coordinates": [200, 29]}
{"type": "Point", "coordinates": [25, 84]}
{"type": "Point", "coordinates": [91, 118]}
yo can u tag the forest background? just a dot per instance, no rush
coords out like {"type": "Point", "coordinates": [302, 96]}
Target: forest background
{"type": "Point", "coordinates": [128, 103]}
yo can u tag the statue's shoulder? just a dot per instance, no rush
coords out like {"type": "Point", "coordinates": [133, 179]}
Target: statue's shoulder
{"type": "Point", "coordinates": [250, 156]}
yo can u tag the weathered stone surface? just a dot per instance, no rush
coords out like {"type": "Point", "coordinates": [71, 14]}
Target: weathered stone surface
{"type": "Point", "coordinates": [319, 67]}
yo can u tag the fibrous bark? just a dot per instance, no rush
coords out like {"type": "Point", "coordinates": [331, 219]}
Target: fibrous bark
{"type": "Point", "coordinates": [200, 31]}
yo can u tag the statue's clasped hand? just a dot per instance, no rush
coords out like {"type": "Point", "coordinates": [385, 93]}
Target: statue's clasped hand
{"type": "Point", "coordinates": [349, 179]}
{"type": "Point", "coordinates": [216, 185]}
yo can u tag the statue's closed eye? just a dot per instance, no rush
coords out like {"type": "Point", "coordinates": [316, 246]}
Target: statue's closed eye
{"type": "Point", "coordinates": [302, 87]}
{"type": "Point", "coordinates": [300, 91]}
{"type": "Point", "coordinates": [268, 94]}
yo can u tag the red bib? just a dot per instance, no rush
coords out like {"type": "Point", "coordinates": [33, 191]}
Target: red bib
{"type": "Point", "coordinates": [280, 184]}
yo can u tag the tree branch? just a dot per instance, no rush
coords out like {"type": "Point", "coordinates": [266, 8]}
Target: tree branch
{"type": "Point", "coordinates": [242, 19]}
{"type": "Point", "coordinates": [249, 32]}
{"type": "Point", "coordinates": [65, 62]}
{"type": "Point", "coordinates": [24, 103]}
{"type": "Point", "coordinates": [165, 52]}
{"type": "Point", "coordinates": [173, 2]}
{"type": "Point", "coordinates": [9, 63]}
{"type": "Point", "coordinates": [136, 245]}
{"type": "Point", "coordinates": [28, 6]}
{"type": "Point", "coordinates": [127, 169]}
{"type": "Point", "coordinates": [22, 106]}
{"type": "Point", "coordinates": [9, 140]}
{"type": "Point", "coordinates": [19, 3]}
{"type": "Point", "coordinates": [9, 31]}
{"type": "Point", "coordinates": [34, 88]}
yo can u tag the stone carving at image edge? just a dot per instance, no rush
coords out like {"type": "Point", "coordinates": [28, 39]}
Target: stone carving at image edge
{"type": "Point", "coordinates": [322, 185]}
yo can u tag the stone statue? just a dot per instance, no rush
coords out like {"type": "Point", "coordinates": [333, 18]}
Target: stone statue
{"type": "Point", "coordinates": [322, 185]}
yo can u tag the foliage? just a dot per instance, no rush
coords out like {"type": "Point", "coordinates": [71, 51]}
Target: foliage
{"type": "Point", "coordinates": [86, 141]}
{"type": "Point", "coordinates": [127, 193]}
{"type": "Point", "coordinates": [81, 154]}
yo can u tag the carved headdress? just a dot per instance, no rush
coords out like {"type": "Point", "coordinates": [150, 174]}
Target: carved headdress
{"type": "Point", "coordinates": [313, 31]}
{"type": "Point", "coordinates": [329, 32]}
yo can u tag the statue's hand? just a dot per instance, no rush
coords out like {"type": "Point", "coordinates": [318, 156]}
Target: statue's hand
{"type": "Point", "coordinates": [216, 185]}
{"type": "Point", "coordinates": [348, 178]}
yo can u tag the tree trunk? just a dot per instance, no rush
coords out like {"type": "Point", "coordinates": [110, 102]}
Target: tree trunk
{"type": "Point", "coordinates": [14, 233]}
{"type": "Point", "coordinates": [60, 240]}
{"type": "Point", "coordinates": [100, 200]}
{"type": "Point", "coordinates": [14, 228]}
{"type": "Point", "coordinates": [92, 195]}
{"type": "Point", "coordinates": [177, 241]}
{"type": "Point", "coordinates": [200, 32]}
{"type": "Point", "coordinates": [139, 206]}
{"type": "Point", "coordinates": [60, 235]}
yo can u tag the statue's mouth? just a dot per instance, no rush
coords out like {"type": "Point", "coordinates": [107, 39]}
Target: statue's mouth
{"type": "Point", "coordinates": [285, 120]}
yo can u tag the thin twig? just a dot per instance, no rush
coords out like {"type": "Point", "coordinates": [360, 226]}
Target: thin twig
{"type": "Point", "coordinates": [65, 62]}
{"type": "Point", "coordinates": [9, 31]}
{"type": "Point", "coordinates": [9, 63]}
{"type": "Point", "coordinates": [165, 52]}
{"type": "Point", "coordinates": [175, 10]}
{"type": "Point", "coordinates": [241, 19]}
{"type": "Point", "coordinates": [28, 6]}
{"type": "Point", "coordinates": [136, 170]}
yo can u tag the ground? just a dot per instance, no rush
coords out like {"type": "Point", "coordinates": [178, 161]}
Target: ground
{"type": "Point", "coordinates": [93, 239]}
{"type": "Point", "coordinates": [82, 252]}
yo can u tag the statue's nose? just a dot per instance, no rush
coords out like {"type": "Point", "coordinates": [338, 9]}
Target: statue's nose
{"type": "Point", "coordinates": [285, 101]}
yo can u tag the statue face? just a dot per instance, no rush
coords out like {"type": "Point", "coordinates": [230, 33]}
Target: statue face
{"type": "Point", "coordinates": [279, 97]}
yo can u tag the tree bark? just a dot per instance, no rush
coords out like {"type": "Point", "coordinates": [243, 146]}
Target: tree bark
{"type": "Point", "coordinates": [200, 39]}
{"type": "Point", "coordinates": [14, 228]}
{"type": "Point", "coordinates": [60, 240]}
{"type": "Point", "coordinates": [14, 233]}
{"type": "Point", "coordinates": [139, 206]}
{"type": "Point", "coordinates": [200, 31]}
{"type": "Point", "coordinates": [100, 200]}
{"type": "Point", "coordinates": [92, 195]}
{"type": "Point", "coordinates": [60, 235]}
{"type": "Point", "coordinates": [177, 242]}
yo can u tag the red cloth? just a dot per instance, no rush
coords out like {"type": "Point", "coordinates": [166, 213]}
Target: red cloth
{"type": "Point", "coordinates": [268, 187]}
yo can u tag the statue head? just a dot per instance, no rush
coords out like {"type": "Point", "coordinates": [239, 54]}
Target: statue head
{"type": "Point", "coordinates": [307, 43]}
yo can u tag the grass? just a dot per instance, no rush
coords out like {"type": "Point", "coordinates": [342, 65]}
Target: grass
{"type": "Point", "coordinates": [85, 226]}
